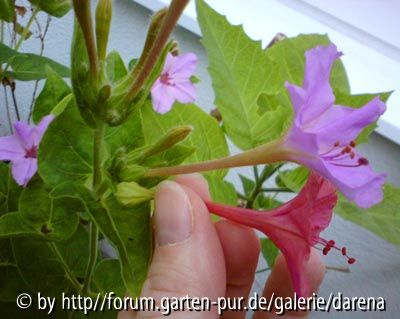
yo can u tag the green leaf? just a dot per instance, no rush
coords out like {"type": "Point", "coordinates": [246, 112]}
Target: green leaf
{"type": "Point", "coordinates": [222, 191]}
{"type": "Point", "coordinates": [39, 266]}
{"type": "Point", "coordinates": [293, 179]}
{"type": "Point", "coordinates": [269, 251]}
{"type": "Point", "coordinates": [56, 8]}
{"type": "Point", "coordinates": [107, 277]}
{"type": "Point", "coordinates": [128, 229]}
{"type": "Point", "coordinates": [11, 283]}
{"type": "Point", "coordinates": [65, 154]}
{"type": "Point", "coordinates": [9, 190]}
{"type": "Point", "coordinates": [263, 202]}
{"type": "Point", "coordinates": [382, 219]}
{"type": "Point", "coordinates": [12, 225]}
{"type": "Point", "coordinates": [242, 71]}
{"type": "Point", "coordinates": [53, 92]}
{"type": "Point", "coordinates": [207, 137]}
{"type": "Point", "coordinates": [247, 184]}
{"type": "Point", "coordinates": [357, 101]}
{"type": "Point", "coordinates": [7, 12]}
{"type": "Point", "coordinates": [56, 218]}
{"type": "Point", "coordinates": [29, 66]}
{"type": "Point", "coordinates": [115, 67]}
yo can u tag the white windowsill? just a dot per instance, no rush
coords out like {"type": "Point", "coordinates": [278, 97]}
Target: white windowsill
{"type": "Point", "coordinates": [370, 68]}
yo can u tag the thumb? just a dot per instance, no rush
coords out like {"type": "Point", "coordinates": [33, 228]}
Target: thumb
{"type": "Point", "coordinates": [188, 258]}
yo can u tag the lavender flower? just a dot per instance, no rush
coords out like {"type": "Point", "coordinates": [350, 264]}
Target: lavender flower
{"type": "Point", "coordinates": [174, 83]}
{"type": "Point", "coordinates": [22, 147]}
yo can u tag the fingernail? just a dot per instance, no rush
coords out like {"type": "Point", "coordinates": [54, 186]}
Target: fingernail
{"type": "Point", "coordinates": [173, 218]}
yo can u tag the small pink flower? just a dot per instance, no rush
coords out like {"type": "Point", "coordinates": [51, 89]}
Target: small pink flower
{"type": "Point", "coordinates": [174, 83]}
{"type": "Point", "coordinates": [294, 227]}
{"type": "Point", "coordinates": [22, 147]}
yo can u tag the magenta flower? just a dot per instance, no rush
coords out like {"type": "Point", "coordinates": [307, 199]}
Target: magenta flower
{"type": "Point", "coordinates": [294, 227]}
{"type": "Point", "coordinates": [174, 83]}
{"type": "Point", "coordinates": [323, 133]}
{"type": "Point", "coordinates": [22, 147]}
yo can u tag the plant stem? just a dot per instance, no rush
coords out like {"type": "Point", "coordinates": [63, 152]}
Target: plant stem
{"type": "Point", "coordinates": [68, 271]}
{"type": "Point", "coordinates": [267, 172]}
{"type": "Point", "coordinates": [27, 28]}
{"type": "Point", "coordinates": [93, 253]}
{"type": "Point", "coordinates": [276, 190]}
{"type": "Point", "coordinates": [267, 153]}
{"type": "Point", "coordinates": [94, 230]}
{"type": "Point", "coordinates": [174, 12]}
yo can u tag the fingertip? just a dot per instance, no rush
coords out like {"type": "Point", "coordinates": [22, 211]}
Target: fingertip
{"type": "Point", "coordinates": [196, 182]}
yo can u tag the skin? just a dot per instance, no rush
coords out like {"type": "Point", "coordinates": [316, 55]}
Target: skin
{"type": "Point", "coordinates": [216, 259]}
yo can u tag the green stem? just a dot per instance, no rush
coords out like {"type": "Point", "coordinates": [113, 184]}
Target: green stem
{"type": "Point", "coordinates": [94, 230]}
{"type": "Point", "coordinates": [276, 190]}
{"type": "Point", "coordinates": [257, 187]}
{"type": "Point", "coordinates": [27, 28]}
{"type": "Point", "coordinates": [68, 271]}
{"type": "Point", "coordinates": [93, 253]}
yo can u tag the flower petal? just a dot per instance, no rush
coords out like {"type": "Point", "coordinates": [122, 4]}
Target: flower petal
{"type": "Point", "coordinates": [344, 124]}
{"type": "Point", "coordinates": [10, 148]}
{"type": "Point", "coordinates": [40, 129]}
{"type": "Point", "coordinates": [162, 97]}
{"type": "Point", "coordinates": [23, 170]}
{"type": "Point", "coordinates": [319, 96]}
{"type": "Point", "coordinates": [184, 92]}
{"type": "Point", "coordinates": [183, 66]}
{"type": "Point", "coordinates": [23, 132]}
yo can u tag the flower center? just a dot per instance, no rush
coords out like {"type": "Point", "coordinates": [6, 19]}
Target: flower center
{"type": "Point", "coordinates": [165, 79]}
{"type": "Point", "coordinates": [32, 152]}
{"type": "Point", "coordinates": [336, 154]}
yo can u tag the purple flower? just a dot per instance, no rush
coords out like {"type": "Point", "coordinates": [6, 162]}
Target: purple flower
{"type": "Point", "coordinates": [323, 134]}
{"type": "Point", "coordinates": [174, 83]}
{"type": "Point", "coordinates": [22, 147]}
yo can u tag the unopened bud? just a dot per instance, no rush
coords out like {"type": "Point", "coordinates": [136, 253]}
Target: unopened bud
{"type": "Point", "coordinates": [131, 194]}
{"type": "Point", "coordinates": [132, 172]}
{"type": "Point", "coordinates": [103, 23]}
{"type": "Point", "coordinates": [173, 137]}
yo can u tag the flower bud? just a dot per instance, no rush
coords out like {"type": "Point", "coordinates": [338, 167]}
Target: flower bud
{"type": "Point", "coordinates": [132, 172]}
{"type": "Point", "coordinates": [131, 194]}
{"type": "Point", "coordinates": [103, 23]}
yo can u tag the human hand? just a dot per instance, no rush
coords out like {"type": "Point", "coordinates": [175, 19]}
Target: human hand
{"type": "Point", "coordinates": [196, 257]}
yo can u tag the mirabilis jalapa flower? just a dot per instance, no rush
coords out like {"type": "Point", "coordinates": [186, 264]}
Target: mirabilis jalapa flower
{"type": "Point", "coordinates": [294, 227]}
{"type": "Point", "coordinates": [322, 136]}
{"type": "Point", "coordinates": [174, 83]}
{"type": "Point", "coordinates": [22, 147]}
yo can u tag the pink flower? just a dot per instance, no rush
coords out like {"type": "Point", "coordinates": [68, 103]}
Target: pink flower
{"type": "Point", "coordinates": [22, 147]}
{"type": "Point", "coordinates": [294, 227]}
{"type": "Point", "coordinates": [174, 83]}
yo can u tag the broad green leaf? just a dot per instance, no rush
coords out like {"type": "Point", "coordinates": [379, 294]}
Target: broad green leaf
{"type": "Point", "coordinates": [241, 71]}
{"type": "Point", "coordinates": [128, 230]}
{"type": "Point", "coordinates": [7, 12]}
{"type": "Point", "coordinates": [9, 190]}
{"type": "Point", "coordinates": [56, 8]}
{"type": "Point", "coordinates": [12, 225]}
{"type": "Point", "coordinates": [11, 283]}
{"type": "Point", "coordinates": [269, 251]}
{"type": "Point", "coordinates": [39, 266]}
{"type": "Point", "coordinates": [29, 66]}
{"type": "Point", "coordinates": [293, 179]}
{"type": "Point", "coordinates": [221, 191]}
{"type": "Point", "coordinates": [382, 219]}
{"type": "Point", "coordinates": [115, 67]}
{"type": "Point", "coordinates": [263, 202]}
{"type": "Point", "coordinates": [65, 154]}
{"type": "Point", "coordinates": [357, 101]}
{"type": "Point", "coordinates": [207, 137]}
{"type": "Point", "coordinates": [107, 277]}
{"type": "Point", "coordinates": [53, 92]}
{"type": "Point", "coordinates": [56, 218]}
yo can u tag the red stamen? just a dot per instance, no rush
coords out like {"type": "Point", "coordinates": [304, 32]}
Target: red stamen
{"type": "Point", "coordinates": [353, 144]}
{"type": "Point", "coordinates": [351, 260]}
{"type": "Point", "coordinates": [363, 161]}
{"type": "Point", "coordinates": [31, 153]}
{"type": "Point", "coordinates": [344, 251]}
